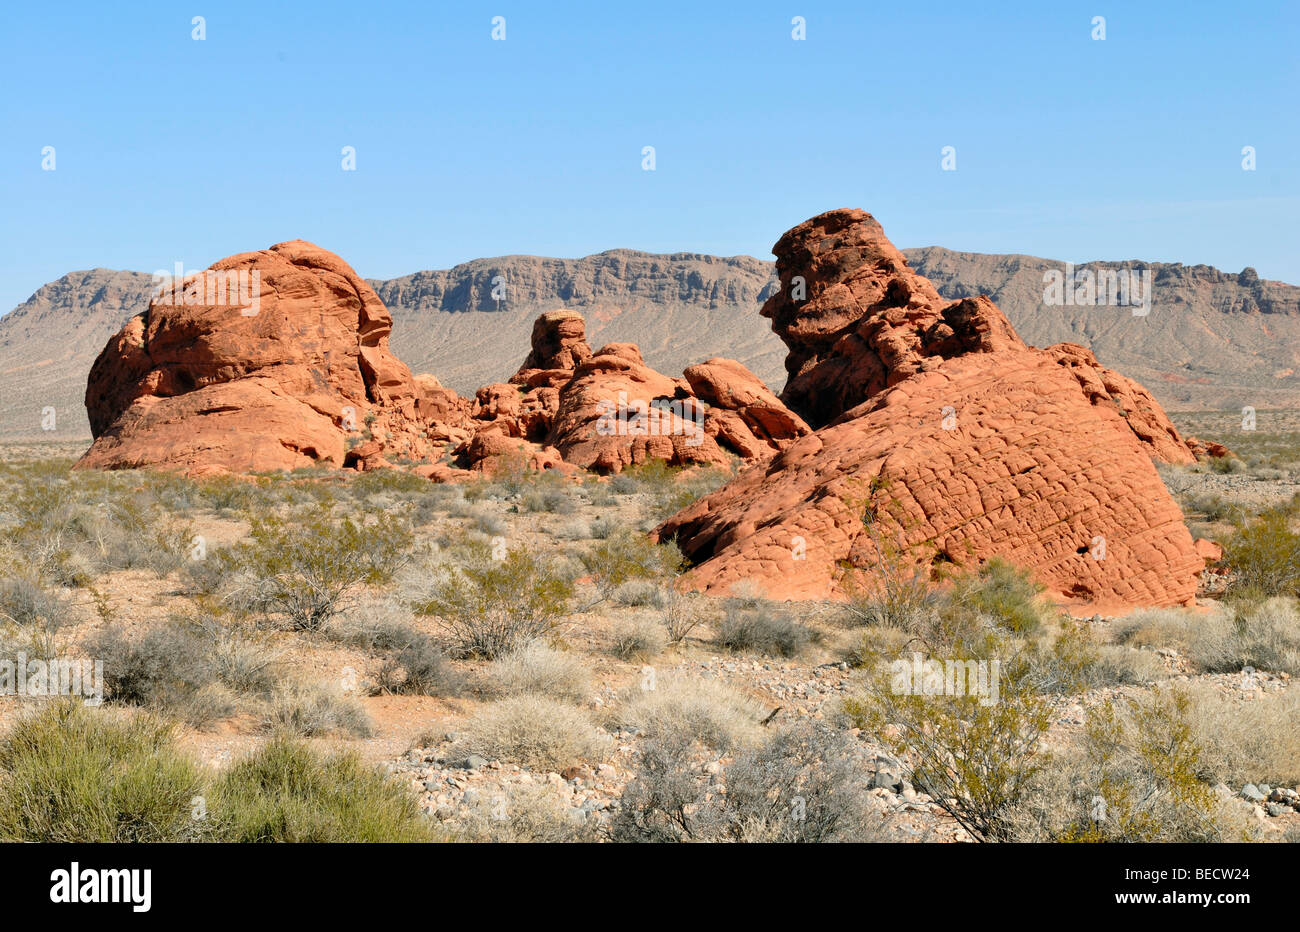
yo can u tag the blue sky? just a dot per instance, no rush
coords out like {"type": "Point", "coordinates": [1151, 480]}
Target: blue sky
{"type": "Point", "coordinates": [174, 150]}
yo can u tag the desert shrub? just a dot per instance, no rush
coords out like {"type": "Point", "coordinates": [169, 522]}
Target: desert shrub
{"type": "Point", "coordinates": [682, 613]}
{"type": "Point", "coordinates": [524, 814]}
{"type": "Point", "coordinates": [626, 555]}
{"type": "Point", "coordinates": [1005, 593]}
{"type": "Point", "coordinates": [1241, 741]}
{"type": "Point", "coordinates": [602, 526]}
{"type": "Point", "coordinates": [1226, 465]}
{"type": "Point", "coordinates": [803, 784]}
{"type": "Point", "coordinates": [693, 709]}
{"type": "Point", "coordinates": [1074, 662]}
{"type": "Point", "coordinates": [225, 494]}
{"type": "Point", "coordinates": [536, 668]}
{"type": "Point", "coordinates": [895, 593]}
{"type": "Point", "coordinates": [483, 518]}
{"type": "Point", "coordinates": [489, 607]}
{"type": "Point", "coordinates": [1265, 636]}
{"type": "Point", "coordinates": [28, 604]}
{"type": "Point", "coordinates": [68, 774]}
{"type": "Point", "coordinates": [764, 629]}
{"type": "Point", "coordinates": [309, 572]}
{"type": "Point", "coordinates": [550, 497]}
{"type": "Point", "coordinates": [642, 640]}
{"type": "Point", "coordinates": [532, 731]}
{"type": "Point", "coordinates": [1265, 556]}
{"type": "Point", "coordinates": [1138, 779]}
{"type": "Point", "coordinates": [167, 667]}
{"type": "Point", "coordinates": [573, 529]}
{"type": "Point", "coordinates": [639, 592]}
{"type": "Point", "coordinates": [873, 645]}
{"type": "Point", "coordinates": [310, 710]}
{"type": "Point", "coordinates": [418, 668]}
{"type": "Point", "coordinates": [1208, 640]}
{"type": "Point", "coordinates": [976, 755]}
{"type": "Point", "coordinates": [287, 792]}
{"type": "Point", "coordinates": [1268, 635]}
{"type": "Point", "coordinates": [410, 662]}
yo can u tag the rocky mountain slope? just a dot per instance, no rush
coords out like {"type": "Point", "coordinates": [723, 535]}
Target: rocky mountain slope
{"type": "Point", "coordinates": [1211, 340]}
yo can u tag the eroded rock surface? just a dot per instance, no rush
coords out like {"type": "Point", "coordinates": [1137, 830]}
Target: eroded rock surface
{"type": "Point", "coordinates": [944, 440]}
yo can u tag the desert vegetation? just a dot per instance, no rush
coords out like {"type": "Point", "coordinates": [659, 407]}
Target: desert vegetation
{"type": "Point", "coordinates": [313, 656]}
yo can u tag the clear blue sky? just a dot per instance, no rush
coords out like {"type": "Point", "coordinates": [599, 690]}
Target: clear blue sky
{"type": "Point", "coordinates": [170, 149]}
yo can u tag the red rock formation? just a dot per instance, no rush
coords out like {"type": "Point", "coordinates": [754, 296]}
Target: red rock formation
{"type": "Point", "coordinates": [947, 441]}
{"type": "Point", "coordinates": [293, 371]}
{"type": "Point", "coordinates": [607, 410]}
{"type": "Point", "coordinates": [857, 319]}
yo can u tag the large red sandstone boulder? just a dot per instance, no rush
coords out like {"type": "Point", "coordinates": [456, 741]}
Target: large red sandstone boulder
{"type": "Point", "coordinates": [945, 441]}
{"type": "Point", "coordinates": [269, 360]}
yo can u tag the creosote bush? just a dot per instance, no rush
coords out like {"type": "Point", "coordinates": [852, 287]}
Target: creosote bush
{"type": "Point", "coordinates": [489, 607]}
{"type": "Point", "coordinates": [307, 571]}
{"type": "Point", "coordinates": [1137, 779]}
{"type": "Point", "coordinates": [626, 555]}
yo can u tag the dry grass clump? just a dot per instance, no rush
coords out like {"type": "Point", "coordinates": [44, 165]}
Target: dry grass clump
{"type": "Point", "coordinates": [310, 710]}
{"type": "Point", "coordinates": [641, 639]}
{"type": "Point", "coordinates": [693, 709]}
{"type": "Point", "coordinates": [524, 814]}
{"type": "Point", "coordinates": [541, 670]}
{"type": "Point", "coordinates": [763, 628]}
{"type": "Point", "coordinates": [1248, 741]}
{"type": "Point", "coordinates": [1264, 635]}
{"type": "Point", "coordinates": [532, 731]}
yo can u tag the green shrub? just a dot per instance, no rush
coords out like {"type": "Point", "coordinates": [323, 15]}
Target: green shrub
{"type": "Point", "coordinates": [1139, 780]}
{"type": "Point", "coordinates": [977, 758]}
{"type": "Point", "coordinates": [308, 571]}
{"type": "Point", "coordinates": [68, 774]}
{"type": "Point", "coordinates": [490, 607]}
{"type": "Point", "coordinates": [1005, 593]}
{"type": "Point", "coordinates": [286, 792]}
{"type": "Point", "coordinates": [625, 555]}
{"type": "Point", "coordinates": [1265, 557]}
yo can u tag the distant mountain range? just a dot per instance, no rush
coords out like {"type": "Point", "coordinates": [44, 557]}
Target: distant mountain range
{"type": "Point", "coordinates": [1211, 340]}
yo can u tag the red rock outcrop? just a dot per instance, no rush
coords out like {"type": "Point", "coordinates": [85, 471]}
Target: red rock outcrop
{"type": "Point", "coordinates": [607, 410]}
{"type": "Point", "coordinates": [944, 440]}
{"type": "Point", "coordinates": [269, 360]}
